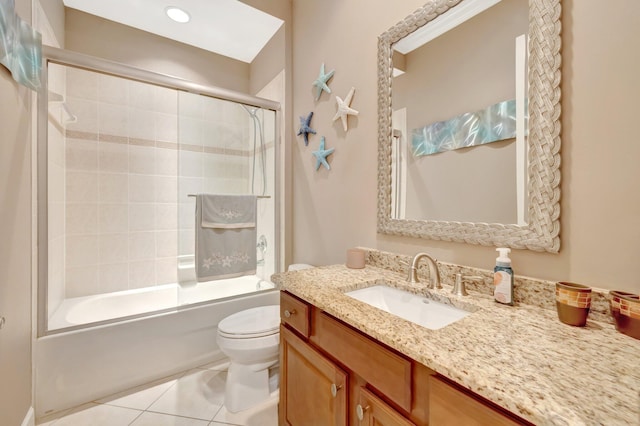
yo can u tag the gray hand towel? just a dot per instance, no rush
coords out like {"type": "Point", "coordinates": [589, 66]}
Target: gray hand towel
{"type": "Point", "coordinates": [225, 236]}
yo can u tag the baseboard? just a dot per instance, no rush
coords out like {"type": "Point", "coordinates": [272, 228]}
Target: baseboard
{"type": "Point", "coordinates": [29, 419]}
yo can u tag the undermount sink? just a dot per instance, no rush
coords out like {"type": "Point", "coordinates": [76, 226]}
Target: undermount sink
{"type": "Point", "coordinates": [412, 307]}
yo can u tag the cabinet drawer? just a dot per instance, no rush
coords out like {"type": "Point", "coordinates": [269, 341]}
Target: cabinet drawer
{"type": "Point", "coordinates": [295, 313]}
{"type": "Point", "coordinates": [383, 369]}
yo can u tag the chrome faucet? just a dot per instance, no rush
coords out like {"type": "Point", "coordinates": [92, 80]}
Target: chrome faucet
{"type": "Point", "coordinates": [434, 273]}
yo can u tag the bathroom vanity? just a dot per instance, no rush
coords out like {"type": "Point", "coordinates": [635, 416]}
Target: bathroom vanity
{"type": "Point", "coordinates": [346, 362]}
{"type": "Point", "coordinates": [332, 374]}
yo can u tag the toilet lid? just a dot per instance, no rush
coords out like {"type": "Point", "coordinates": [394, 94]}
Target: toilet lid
{"type": "Point", "coordinates": [260, 321]}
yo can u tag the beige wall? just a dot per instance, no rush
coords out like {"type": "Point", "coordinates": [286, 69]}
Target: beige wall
{"type": "Point", "coordinates": [268, 63]}
{"type": "Point", "coordinates": [15, 249]}
{"type": "Point", "coordinates": [273, 57]}
{"type": "Point", "coordinates": [600, 199]}
{"type": "Point", "coordinates": [54, 9]}
{"type": "Point", "coordinates": [106, 39]}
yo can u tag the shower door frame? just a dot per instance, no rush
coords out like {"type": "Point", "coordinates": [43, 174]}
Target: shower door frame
{"type": "Point", "coordinates": [68, 58]}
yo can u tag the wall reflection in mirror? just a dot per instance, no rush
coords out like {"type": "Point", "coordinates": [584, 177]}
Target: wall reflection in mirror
{"type": "Point", "coordinates": [503, 193]}
{"type": "Point", "coordinates": [458, 150]}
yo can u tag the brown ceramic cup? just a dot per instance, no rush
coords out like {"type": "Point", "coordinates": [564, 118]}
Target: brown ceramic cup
{"type": "Point", "coordinates": [625, 309]}
{"type": "Point", "coordinates": [573, 302]}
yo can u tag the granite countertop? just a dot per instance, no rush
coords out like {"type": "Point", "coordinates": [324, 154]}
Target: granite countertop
{"type": "Point", "coordinates": [522, 358]}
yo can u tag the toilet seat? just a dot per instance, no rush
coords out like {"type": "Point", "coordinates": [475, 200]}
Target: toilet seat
{"type": "Point", "coordinates": [251, 323]}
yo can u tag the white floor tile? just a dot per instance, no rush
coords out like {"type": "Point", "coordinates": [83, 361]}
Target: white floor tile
{"type": "Point", "coordinates": [50, 419]}
{"type": "Point", "coordinates": [99, 415]}
{"type": "Point", "coordinates": [198, 394]}
{"type": "Point", "coordinates": [157, 419]}
{"type": "Point", "coordinates": [141, 397]}
{"type": "Point", "coordinates": [264, 414]}
{"type": "Point", "coordinates": [193, 398]}
{"type": "Point", "coordinates": [215, 385]}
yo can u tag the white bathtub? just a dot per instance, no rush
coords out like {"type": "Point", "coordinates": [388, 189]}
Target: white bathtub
{"type": "Point", "coordinates": [137, 302]}
{"type": "Point", "coordinates": [82, 365]}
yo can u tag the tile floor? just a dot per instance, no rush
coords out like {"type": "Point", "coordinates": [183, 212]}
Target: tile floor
{"type": "Point", "coordinates": [192, 398]}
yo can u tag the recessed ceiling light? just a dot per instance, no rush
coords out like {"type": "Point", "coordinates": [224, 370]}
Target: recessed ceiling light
{"type": "Point", "coordinates": [177, 14]}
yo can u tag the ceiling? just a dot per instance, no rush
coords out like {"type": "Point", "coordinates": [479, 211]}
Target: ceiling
{"type": "Point", "coordinates": [226, 27]}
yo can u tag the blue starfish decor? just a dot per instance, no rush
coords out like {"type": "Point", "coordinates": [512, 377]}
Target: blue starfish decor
{"type": "Point", "coordinates": [321, 81]}
{"type": "Point", "coordinates": [305, 128]}
{"type": "Point", "coordinates": [321, 155]}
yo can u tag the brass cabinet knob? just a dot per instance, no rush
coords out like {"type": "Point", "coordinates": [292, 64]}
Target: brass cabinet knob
{"type": "Point", "coordinates": [360, 411]}
{"type": "Point", "coordinates": [334, 389]}
{"type": "Point", "coordinates": [288, 313]}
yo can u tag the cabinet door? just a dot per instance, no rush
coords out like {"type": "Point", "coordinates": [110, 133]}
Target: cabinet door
{"type": "Point", "coordinates": [313, 389]}
{"type": "Point", "coordinates": [384, 370]}
{"type": "Point", "coordinates": [450, 406]}
{"type": "Point", "coordinates": [372, 411]}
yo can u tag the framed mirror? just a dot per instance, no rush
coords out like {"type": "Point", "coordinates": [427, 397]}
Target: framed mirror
{"type": "Point", "coordinates": [495, 191]}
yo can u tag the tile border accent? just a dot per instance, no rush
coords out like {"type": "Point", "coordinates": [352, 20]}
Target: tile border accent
{"type": "Point", "coordinates": [124, 140]}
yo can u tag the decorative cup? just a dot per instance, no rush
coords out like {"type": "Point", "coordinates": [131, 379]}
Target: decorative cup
{"type": "Point", "coordinates": [573, 302]}
{"type": "Point", "coordinates": [355, 258]}
{"type": "Point", "coordinates": [625, 309]}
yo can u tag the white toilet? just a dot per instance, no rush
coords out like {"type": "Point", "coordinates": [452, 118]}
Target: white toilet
{"type": "Point", "coordinates": [250, 339]}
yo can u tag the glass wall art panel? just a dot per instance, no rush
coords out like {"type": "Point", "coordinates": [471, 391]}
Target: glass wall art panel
{"type": "Point", "coordinates": [495, 123]}
{"type": "Point", "coordinates": [20, 47]}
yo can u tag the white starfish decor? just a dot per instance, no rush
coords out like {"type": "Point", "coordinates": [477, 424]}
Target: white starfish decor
{"type": "Point", "coordinates": [344, 109]}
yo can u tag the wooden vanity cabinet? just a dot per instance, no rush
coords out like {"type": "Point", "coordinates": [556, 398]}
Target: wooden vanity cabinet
{"type": "Point", "coordinates": [312, 388]}
{"type": "Point", "coordinates": [332, 374]}
{"type": "Point", "coordinates": [449, 405]}
{"type": "Point", "coordinates": [328, 370]}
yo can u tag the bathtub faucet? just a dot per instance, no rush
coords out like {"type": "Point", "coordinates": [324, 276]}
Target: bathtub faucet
{"type": "Point", "coordinates": [434, 273]}
{"type": "Point", "coordinates": [262, 246]}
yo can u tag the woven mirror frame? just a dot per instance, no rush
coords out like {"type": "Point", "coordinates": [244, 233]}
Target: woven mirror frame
{"type": "Point", "coordinates": [541, 233]}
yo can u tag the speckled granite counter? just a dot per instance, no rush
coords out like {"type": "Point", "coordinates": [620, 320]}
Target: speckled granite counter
{"type": "Point", "coordinates": [522, 358]}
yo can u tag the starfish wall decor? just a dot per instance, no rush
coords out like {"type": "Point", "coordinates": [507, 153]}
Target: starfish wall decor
{"type": "Point", "coordinates": [305, 128]}
{"type": "Point", "coordinates": [321, 155]}
{"type": "Point", "coordinates": [321, 81]}
{"type": "Point", "coordinates": [344, 109]}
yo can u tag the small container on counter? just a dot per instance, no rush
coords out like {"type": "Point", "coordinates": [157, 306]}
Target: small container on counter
{"type": "Point", "coordinates": [503, 278]}
{"type": "Point", "coordinates": [355, 258]}
{"type": "Point", "coordinates": [625, 309]}
{"type": "Point", "coordinates": [573, 302]}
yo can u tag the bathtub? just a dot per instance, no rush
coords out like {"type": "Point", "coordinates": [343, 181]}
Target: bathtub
{"type": "Point", "coordinates": [81, 365]}
{"type": "Point", "coordinates": [128, 304]}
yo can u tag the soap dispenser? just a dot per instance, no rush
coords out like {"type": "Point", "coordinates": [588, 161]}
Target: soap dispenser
{"type": "Point", "coordinates": [503, 277]}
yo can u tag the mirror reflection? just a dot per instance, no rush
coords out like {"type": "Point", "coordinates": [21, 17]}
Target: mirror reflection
{"type": "Point", "coordinates": [499, 190]}
{"type": "Point", "coordinates": [442, 168]}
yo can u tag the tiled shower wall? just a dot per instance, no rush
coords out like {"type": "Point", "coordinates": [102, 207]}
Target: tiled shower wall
{"type": "Point", "coordinates": [214, 155]}
{"type": "Point", "coordinates": [126, 178]}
